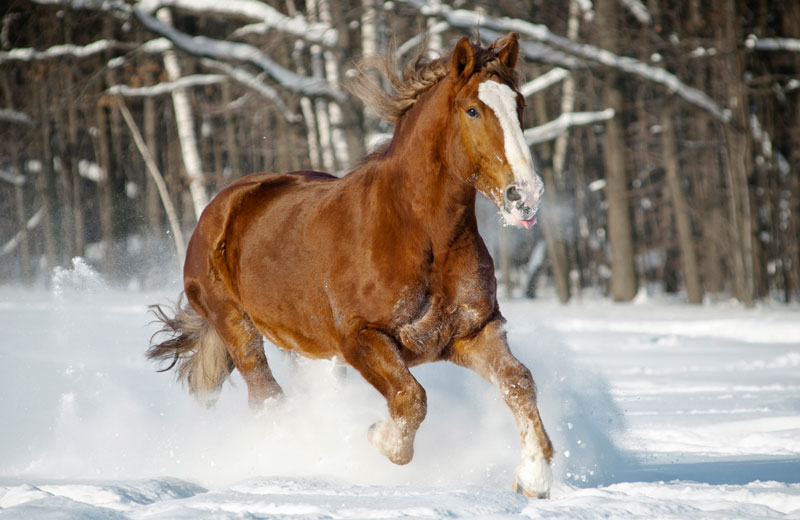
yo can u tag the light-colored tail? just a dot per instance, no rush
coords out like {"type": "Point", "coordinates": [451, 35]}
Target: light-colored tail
{"type": "Point", "coordinates": [193, 346]}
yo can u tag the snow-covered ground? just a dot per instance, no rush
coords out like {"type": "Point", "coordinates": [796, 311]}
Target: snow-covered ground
{"type": "Point", "coordinates": [657, 410]}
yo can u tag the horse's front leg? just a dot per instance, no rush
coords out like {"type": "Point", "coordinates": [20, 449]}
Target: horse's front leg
{"type": "Point", "coordinates": [488, 355]}
{"type": "Point", "coordinates": [377, 357]}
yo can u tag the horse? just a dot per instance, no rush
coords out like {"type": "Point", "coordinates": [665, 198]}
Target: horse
{"type": "Point", "coordinates": [382, 268]}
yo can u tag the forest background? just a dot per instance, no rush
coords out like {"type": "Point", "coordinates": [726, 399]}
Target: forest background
{"type": "Point", "coordinates": [666, 131]}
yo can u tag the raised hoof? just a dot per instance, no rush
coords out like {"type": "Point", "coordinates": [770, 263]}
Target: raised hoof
{"type": "Point", "coordinates": [533, 478]}
{"type": "Point", "coordinates": [388, 440]}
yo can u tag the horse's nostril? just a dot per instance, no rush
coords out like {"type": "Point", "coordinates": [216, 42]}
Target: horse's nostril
{"type": "Point", "coordinates": [513, 193]}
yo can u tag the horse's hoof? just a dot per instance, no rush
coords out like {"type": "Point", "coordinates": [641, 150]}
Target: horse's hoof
{"type": "Point", "coordinates": [522, 491]}
{"type": "Point", "coordinates": [390, 442]}
{"type": "Point", "coordinates": [533, 478]}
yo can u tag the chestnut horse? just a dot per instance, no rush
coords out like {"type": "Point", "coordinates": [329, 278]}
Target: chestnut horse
{"type": "Point", "coordinates": [384, 267]}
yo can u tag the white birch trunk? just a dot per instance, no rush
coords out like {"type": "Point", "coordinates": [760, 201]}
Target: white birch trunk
{"type": "Point", "coordinates": [185, 122]}
{"type": "Point", "coordinates": [320, 105]}
{"type": "Point", "coordinates": [567, 97]}
{"type": "Point", "coordinates": [339, 140]}
{"type": "Point", "coordinates": [307, 108]}
{"type": "Point", "coordinates": [369, 47]}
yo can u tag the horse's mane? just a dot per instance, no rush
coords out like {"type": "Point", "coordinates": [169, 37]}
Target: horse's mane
{"type": "Point", "coordinates": [419, 75]}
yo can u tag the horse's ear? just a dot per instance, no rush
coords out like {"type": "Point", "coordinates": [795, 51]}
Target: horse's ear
{"type": "Point", "coordinates": [463, 61]}
{"type": "Point", "coordinates": [509, 52]}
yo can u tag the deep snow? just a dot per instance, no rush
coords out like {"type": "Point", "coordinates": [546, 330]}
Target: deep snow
{"type": "Point", "coordinates": [657, 410]}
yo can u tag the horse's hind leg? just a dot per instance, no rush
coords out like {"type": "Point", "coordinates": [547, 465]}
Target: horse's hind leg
{"type": "Point", "coordinates": [376, 356]}
{"type": "Point", "coordinates": [488, 355]}
{"type": "Point", "coordinates": [244, 344]}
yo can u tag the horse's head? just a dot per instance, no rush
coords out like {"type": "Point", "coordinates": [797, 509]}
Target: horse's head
{"type": "Point", "coordinates": [488, 116]}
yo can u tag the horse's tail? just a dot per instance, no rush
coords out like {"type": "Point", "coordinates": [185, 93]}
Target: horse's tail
{"type": "Point", "coordinates": [203, 362]}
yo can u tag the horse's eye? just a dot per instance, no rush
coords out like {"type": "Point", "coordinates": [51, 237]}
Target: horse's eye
{"type": "Point", "coordinates": [473, 112]}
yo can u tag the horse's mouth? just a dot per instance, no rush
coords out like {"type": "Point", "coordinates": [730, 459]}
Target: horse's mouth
{"type": "Point", "coordinates": [520, 206]}
{"type": "Point", "coordinates": [513, 218]}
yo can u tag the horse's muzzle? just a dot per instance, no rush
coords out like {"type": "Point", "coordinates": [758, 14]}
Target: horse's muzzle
{"type": "Point", "coordinates": [521, 201]}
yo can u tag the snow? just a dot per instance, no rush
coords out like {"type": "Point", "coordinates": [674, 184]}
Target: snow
{"type": "Point", "coordinates": [656, 409]}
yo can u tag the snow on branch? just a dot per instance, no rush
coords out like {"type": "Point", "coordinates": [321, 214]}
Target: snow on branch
{"type": "Point", "coordinates": [167, 87]}
{"type": "Point", "coordinates": [552, 129]}
{"type": "Point", "coordinates": [772, 44]}
{"type": "Point", "coordinates": [12, 178]}
{"type": "Point", "coordinates": [15, 116]}
{"type": "Point", "coordinates": [549, 78]}
{"type": "Point", "coordinates": [154, 46]}
{"type": "Point", "coordinates": [254, 83]}
{"type": "Point", "coordinates": [59, 51]}
{"type": "Point", "coordinates": [12, 244]}
{"type": "Point", "coordinates": [469, 19]}
{"type": "Point", "coordinates": [204, 47]}
{"type": "Point", "coordinates": [638, 10]}
{"type": "Point", "coordinates": [267, 17]}
{"type": "Point", "coordinates": [113, 6]}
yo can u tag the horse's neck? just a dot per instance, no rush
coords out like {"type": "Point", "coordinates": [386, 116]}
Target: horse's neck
{"type": "Point", "coordinates": [420, 177]}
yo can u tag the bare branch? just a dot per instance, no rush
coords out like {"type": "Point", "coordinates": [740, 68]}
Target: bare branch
{"type": "Point", "coordinates": [167, 87]}
{"type": "Point", "coordinates": [15, 116]}
{"type": "Point", "coordinates": [638, 10]}
{"type": "Point", "coordinates": [772, 44]}
{"type": "Point", "coordinates": [12, 244]}
{"type": "Point", "coordinates": [548, 79]}
{"type": "Point", "coordinates": [222, 50]}
{"type": "Point", "coordinates": [158, 179]}
{"type": "Point", "coordinates": [59, 51]}
{"type": "Point", "coordinates": [254, 83]}
{"type": "Point", "coordinates": [12, 178]}
{"type": "Point", "coordinates": [266, 16]}
{"type": "Point", "coordinates": [469, 19]}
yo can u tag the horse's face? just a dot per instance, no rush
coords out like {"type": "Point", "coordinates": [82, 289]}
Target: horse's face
{"type": "Point", "coordinates": [488, 115]}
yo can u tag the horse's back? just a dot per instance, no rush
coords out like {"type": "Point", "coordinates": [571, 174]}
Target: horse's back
{"type": "Point", "coordinates": [249, 248]}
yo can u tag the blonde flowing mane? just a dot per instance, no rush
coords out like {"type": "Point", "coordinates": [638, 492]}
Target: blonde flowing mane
{"type": "Point", "coordinates": [419, 75]}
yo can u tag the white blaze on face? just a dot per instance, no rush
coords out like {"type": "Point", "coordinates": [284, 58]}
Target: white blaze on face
{"type": "Point", "coordinates": [503, 102]}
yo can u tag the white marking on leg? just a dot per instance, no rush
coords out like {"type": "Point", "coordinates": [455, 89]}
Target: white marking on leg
{"type": "Point", "coordinates": [534, 475]}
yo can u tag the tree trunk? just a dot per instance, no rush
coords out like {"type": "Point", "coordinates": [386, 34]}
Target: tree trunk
{"type": "Point", "coordinates": [24, 244]}
{"type": "Point", "coordinates": [230, 135]}
{"type": "Point", "coordinates": [336, 117]}
{"type": "Point", "coordinates": [45, 184]}
{"type": "Point", "coordinates": [551, 223]}
{"type": "Point", "coordinates": [691, 272]}
{"type": "Point", "coordinates": [186, 132]}
{"type": "Point", "coordinates": [623, 274]}
{"type": "Point", "coordinates": [369, 48]}
{"type": "Point", "coordinates": [738, 149]}
{"type": "Point", "coordinates": [72, 147]}
{"type": "Point", "coordinates": [104, 191]}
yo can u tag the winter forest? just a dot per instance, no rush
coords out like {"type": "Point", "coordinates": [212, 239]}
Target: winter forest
{"type": "Point", "coordinates": [665, 131]}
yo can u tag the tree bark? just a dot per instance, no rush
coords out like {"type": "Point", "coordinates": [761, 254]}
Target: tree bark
{"type": "Point", "coordinates": [623, 275]}
{"type": "Point", "coordinates": [45, 183]}
{"type": "Point", "coordinates": [551, 223]}
{"type": "Point", "coordinates": [691, 272]}
{"type": "Point", "coordinates": [738, 149]}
